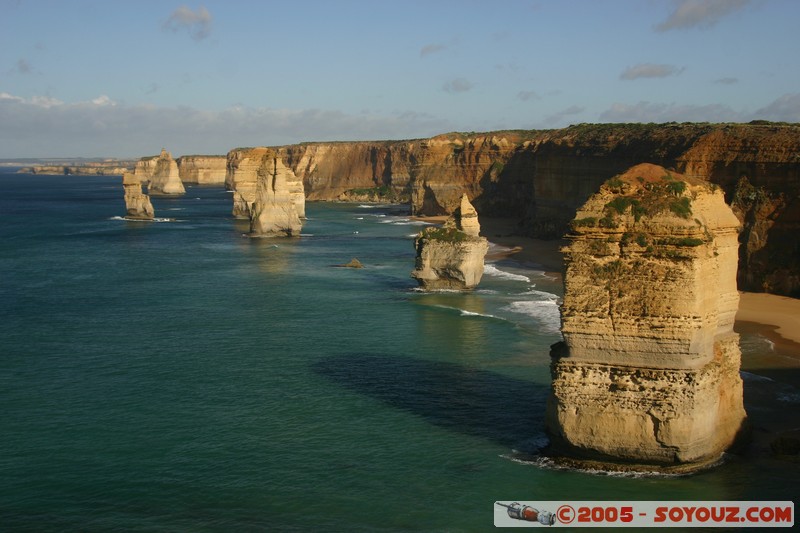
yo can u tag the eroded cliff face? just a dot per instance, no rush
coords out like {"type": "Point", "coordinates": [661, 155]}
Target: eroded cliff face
{"type": "Point", "coordinates": [137, 204]}
{"type": "Point", "coordinates": [161, 173]}
{"type": "Point", "coordinates": [542, 177]}
{"type": "Point", "coordinates": [451, 256]}
{"type": "Point", "coordinates": [202, 169]}
{"type": "Point", "coordinates": [246, 167]}
{"type": "Point", "coordinates": [648, 373]}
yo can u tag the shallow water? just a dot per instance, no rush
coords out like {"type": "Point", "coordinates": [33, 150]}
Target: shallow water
{"type": "Point", "coordinates": [174, 375]}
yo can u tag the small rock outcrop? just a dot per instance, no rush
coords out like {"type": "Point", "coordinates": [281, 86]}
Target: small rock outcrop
{"type": "Point", "coordinates": [161, 173]}
{"type": "Point", "coordinates": [648, 373]}
{"type": "Point", "coordinates": [274, 212]}
{"type": "Point", "coordinates": [451, 256]}
{"type": "Point", "coordinates": [137, 203]}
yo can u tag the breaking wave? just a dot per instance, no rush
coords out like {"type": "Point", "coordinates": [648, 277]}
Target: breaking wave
{"type": "Point", "coordinates": [490, 270]}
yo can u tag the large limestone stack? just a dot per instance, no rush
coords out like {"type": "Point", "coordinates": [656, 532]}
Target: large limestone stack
{"type": "Point", "coordinates": [242, 174]}
{"type": "Point", "coordinates": [648, 373]}
{"type": "Point", "coordinates": [161, 173]}
{"type": "Point", "coordinates": [274, 210]}
{"type": "Point", "coordinates": [451, 256]}
{"type": "Point", "coordinates": [137, 204]}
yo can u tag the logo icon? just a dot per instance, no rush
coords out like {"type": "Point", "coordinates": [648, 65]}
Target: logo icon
{"type": "Point", "coordinates": [529, 514]}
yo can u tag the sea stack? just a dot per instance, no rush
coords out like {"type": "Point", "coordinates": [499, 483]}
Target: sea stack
{"type": "Point", "coordinates": [164, 175]}
{"type": "Point", "coordinates": [647, 376]}
{"type": "Point", "coordinates": [245, 165]}
{"type": "Point", "coordinates": [451, 256]}
{"type": "Point", "coordinates": [137, 203]}
{"type": "Point", "coordinates": [274, 211]}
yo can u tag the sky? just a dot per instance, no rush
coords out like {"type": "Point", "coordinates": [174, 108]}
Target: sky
{"type": "Point", "coordinates": [124, 78]}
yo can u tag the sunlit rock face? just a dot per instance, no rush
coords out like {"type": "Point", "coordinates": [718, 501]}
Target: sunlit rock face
{"type": "Point", "coordinates": [648, 372]}
{"type": "Point", "coordinates": [202, 169]}
{"type": "Point", "coordinates": [137, 203]}
{"type": "Point", "coordinates": [161, 173]}
{"type": "Point", "coordinates": [274, 211]}
{"type": "Point", "coordinates": [451, 256]}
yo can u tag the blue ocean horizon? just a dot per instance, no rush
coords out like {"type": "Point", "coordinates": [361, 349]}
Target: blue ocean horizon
{"type": "Point", "coordinates": [178, 376]}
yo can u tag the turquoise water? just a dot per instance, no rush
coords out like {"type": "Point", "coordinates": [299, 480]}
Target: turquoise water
{"type": "Point", "coordinates": [175, 376]}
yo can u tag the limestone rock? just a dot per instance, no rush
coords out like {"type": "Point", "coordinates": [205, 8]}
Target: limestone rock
{"type": "Point", "coordinates": [648, 373]}
{"type": "Point", "coordinates": [451, 256]}
{"type": "Point", "coordinates": [241, 177]}
{"type": "Point", "coordinates": [202, 169]}
{"type": "Point", "coordinates": [162, 174]}
{"type": "Point", "coordinates": [274, 209]}
{"type": "Point", "coordinates": [137, 204]}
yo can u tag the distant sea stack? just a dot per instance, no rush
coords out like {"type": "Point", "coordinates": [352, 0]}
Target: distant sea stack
{"type": "Point", "coordinates": [451, 256]}
{"type": "Point", "coordinates": [162, 174]}
{"type": "Point", "coordinates": [647, 376]}
{"type": "Point", "coordinates": [137, 204]}
{"type": "Point", "coordinates": [274, 212]}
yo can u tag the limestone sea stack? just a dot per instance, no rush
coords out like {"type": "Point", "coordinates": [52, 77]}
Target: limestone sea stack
{"type": "Point", "coordinates": [451, 256]}
{"type": "Point", "coordinates": [161, 173]}
{"type": "Point", "coordinates": [137, 203]}
{"type": "Point", "coordinates": [647, 376]}
{"type": "Point", "coordinates": [274, 210]}
{"type": "Point", "coordinates": [242, 174]}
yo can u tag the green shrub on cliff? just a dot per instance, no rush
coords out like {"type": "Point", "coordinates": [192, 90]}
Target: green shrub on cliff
{"type": "Point", "coordinates": [444, 234]}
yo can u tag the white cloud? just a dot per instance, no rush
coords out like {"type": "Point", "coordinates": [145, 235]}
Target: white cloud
{"type": "Point", "coordinates": [699, 13]}
{"type": "Point", "coordinates": [458, 85]}
{"type": "Point", "coordinates": [197, 24]}
{"type": "Point", "coordinates": [103, 100]}
{"type": "Point", "coordinates": [649, 70]}
{"type": "Point", "coordinates": [784, 109]}
{"type": "Point", "coordinates": [44, 127]}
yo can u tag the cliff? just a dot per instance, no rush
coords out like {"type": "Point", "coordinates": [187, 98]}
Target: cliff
{"type": "Point", "coordinates": [137, 204]}
{"type": "Point", "coordinates": [161, 174]}
{"type": "Point", "coordinates": [99, 168]}
{"type": "Point", "coordinates": [273, 211]}
{"type": "Point", "coordinates": [202, 169]}
{"type": "Point", "coordinates": [648, 373]}
{"type": "Point", "coordinates": [451, 256]}
{"type": "Point", "coordinates": [542, 177]}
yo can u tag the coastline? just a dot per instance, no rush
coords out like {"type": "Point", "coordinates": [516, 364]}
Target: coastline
{"type": "Point", "coordinates": [776, 318]}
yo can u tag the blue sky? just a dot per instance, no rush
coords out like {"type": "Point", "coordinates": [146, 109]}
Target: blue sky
{"type": "Point", "coordinates": [123, 78]}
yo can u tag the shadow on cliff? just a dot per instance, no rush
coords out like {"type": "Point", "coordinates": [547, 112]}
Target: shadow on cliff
{"type": "Point", "coordinates": [476, 402]}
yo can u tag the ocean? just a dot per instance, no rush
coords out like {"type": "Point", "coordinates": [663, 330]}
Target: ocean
{"type": "Point", "coordinates": [177, 376]}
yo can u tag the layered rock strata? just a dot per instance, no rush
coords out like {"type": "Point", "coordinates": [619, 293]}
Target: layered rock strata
{"type": "Point", "coordinates": [161, 173]}
{"type": "Point", "coordinates": [274, 211]}
{"type": "Point", "coordinates": [451, 256]}
{"type": "Point", "coordinates": [542, 177]}
{"type": "Point", "coordinates": [202, 169]}
{"type": "Point", "coordinates": [137, 203]}
{"type": "Point", "coordinates": [242, 172]}
{"type": "Point", "coordinates": [648, 373]}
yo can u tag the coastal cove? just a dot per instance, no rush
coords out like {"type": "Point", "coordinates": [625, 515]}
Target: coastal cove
{"type": "Point", "coordinates": [175, 375]}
